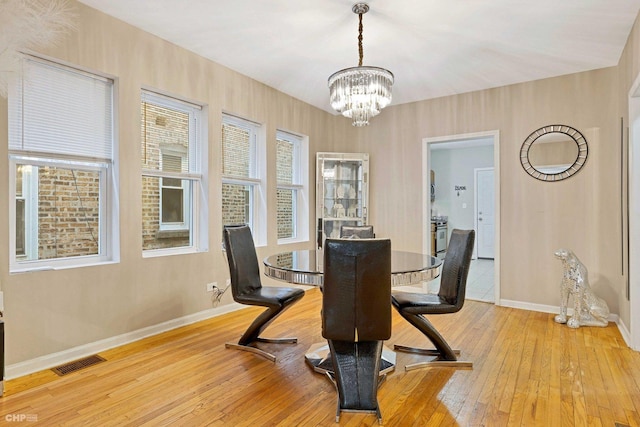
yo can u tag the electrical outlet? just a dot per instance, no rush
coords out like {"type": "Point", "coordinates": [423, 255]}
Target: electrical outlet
{"type": "Point", "coordinates": [211, 286]}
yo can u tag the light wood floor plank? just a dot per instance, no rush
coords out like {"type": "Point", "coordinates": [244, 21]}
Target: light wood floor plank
{"type": "Point", "coordinates": [528, 370]}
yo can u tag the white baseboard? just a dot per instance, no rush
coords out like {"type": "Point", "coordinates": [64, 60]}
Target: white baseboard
{"type": "Point", "coordinates": [624, 331]}
{"type": "Point", "coordinates": [530, 306]}
{"type": "Point", "coordinates": [51, 360]}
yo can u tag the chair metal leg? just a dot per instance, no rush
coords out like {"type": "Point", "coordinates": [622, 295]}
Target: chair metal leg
{"type": "Point", "coordinates": [445, 356]}
{"type": "Point", "coordinates": [278, 340]}
{"type": "Point", "coordinates": [255, 350]}
{"type": "Point", "coordinates": [251, 335]}
{"type": "Point", "coordinates": [250, 349]}
{"type": "Point", "coordinates": [437, 362]}
{"type": "Point", "coordinates": [423, 351]}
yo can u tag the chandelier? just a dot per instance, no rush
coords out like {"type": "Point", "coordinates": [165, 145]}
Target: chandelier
{"type": "Point", "coordinates": [360, 92]}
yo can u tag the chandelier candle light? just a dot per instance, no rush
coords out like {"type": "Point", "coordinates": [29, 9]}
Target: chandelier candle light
{"type": "Point", "coordinates": [360, 92]}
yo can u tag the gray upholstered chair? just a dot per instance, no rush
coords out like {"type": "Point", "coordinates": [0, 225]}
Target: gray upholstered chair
{"type": "Point", "coordinates": [357, 232]}
{"type": "Point", "coordinates": [450, 299]}
{"type": "Point", "coordinates": [247, 289]}
{"type": "Point", "coordinates": [356, 318]}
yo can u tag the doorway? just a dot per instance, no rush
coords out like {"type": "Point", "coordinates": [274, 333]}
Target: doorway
{"type": "Point", "coordinates": [455, 198]}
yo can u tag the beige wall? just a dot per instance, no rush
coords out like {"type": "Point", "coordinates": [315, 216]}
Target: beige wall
{"type": "Point", "coordinates": [48, 312]}
{"type": "Point", "coordinates": [536, 217]}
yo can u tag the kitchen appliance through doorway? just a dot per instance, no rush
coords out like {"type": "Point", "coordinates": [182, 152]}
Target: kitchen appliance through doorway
{"type": "Point", "coordinates": [441, 239]}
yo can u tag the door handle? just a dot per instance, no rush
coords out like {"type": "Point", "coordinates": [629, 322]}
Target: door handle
{"type": "Point", "coordinates": [479, 219]}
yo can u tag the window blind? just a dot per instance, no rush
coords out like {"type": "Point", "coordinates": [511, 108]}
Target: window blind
{"type": "Point", "coordinates": [60, 110]}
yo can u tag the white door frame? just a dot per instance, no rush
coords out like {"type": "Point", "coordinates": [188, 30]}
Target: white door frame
{"type": "Point", "coordinates": [634, 214]}
{"type": "Point", "coordinates": [426, 194]}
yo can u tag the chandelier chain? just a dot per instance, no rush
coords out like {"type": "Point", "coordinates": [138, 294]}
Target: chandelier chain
{"type": "Point", "coordinates": [360, 50]}
{"type": "Point", "coordinates": [360, 92]}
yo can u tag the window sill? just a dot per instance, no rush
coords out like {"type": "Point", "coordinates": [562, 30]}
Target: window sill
{"type": "Point", "coordinates": [292, 241]}
{"type": "Point", "coordinates": [17, 269]}
{"type": "Point", "coordinates": [153, 253]}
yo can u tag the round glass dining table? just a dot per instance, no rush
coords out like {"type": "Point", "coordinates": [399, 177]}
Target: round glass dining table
{"type": "Point", "coordinates": [304, 267]}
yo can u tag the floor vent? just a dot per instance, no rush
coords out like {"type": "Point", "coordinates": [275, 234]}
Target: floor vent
{"type": "Point", "coordinates": [77, 365]}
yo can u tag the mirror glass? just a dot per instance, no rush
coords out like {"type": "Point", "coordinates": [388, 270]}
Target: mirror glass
{"type": "Point", "coordinates": [553, 153]}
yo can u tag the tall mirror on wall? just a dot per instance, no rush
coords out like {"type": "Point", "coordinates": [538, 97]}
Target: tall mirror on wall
{"type": "Point", "coordinates": [553, 153]}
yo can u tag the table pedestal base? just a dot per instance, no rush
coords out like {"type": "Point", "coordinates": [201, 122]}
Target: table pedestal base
{"type": "Point", "coordinates": [319, 358]}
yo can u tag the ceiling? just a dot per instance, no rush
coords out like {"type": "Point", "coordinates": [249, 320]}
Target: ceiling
{"type": "Point", "coordinates": [434, 47]}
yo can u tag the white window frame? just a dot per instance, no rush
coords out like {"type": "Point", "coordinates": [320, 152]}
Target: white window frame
{"type": "Point", "coordinates": [257, 180]}
{"type": "Point", "coordinates": [30, 199]}
{"type": "Point", "coordinates": [194, 182]}
{"type": "Point", "coordinates": [300, 186]}
{"type": "Point", "coordinates": [108, 247]}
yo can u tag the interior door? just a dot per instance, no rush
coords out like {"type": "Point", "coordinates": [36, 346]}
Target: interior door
{"type": "Point", "coordinates": [485, 215]}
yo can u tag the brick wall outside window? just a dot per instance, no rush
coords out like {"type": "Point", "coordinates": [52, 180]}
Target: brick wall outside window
{"type": "Point", "coordinates": [236, 151]}
{"type": "Point", "coordinates": [284, 197]}
{"type": "Point", "coordinates": [68, 212]}
{"type": "Point", "coordinates": [160, 127]}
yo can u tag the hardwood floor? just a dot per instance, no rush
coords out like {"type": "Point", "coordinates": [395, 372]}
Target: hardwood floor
{"type": "Point", "coordinates": [528, 371]}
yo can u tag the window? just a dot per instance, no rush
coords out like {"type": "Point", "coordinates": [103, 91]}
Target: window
{"type": "Point", "coordinates": [172, 175]}
{"type": "Point", "coordinates": [243, 180]}
{"type": "Point", "coordinates": [291, 195]}
{"type": "Point", "coordinates": [62, 184]}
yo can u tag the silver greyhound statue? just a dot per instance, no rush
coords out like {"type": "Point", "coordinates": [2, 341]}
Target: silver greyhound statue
{"type": "Point", "coordinates": [588, 309]}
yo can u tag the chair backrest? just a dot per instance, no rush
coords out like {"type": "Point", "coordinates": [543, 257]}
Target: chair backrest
{"type": "Point", "coordinates": [455, 269]}
{"type": "Point", "coordinates": [243, 261]}
{"type": "Point", "coordinates": [357, 231]}
{"type": "Point", "coordinates": [356, 295]}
